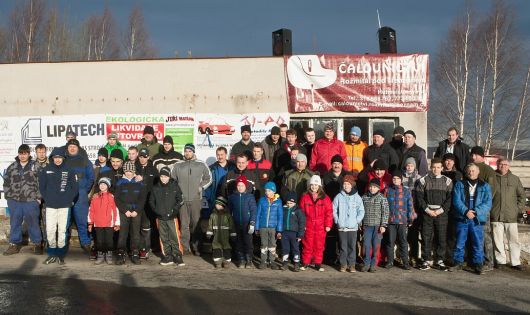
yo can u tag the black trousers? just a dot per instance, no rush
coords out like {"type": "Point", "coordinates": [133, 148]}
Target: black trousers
{"type": "Point", "coordinates": [218, 254]}
{"type": "Point", "coordinates": [130, 227]}
{"type": "Point", "coordinates": [397, 232]}
{"type": "Point", "coordinates": [243, 246]}
{"type": "Point", "coordinates": [431, 227]}
{"type": "Point", "coordinates": [104, 239]}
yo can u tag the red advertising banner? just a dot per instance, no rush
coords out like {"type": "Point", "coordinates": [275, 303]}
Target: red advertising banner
{"type": "Point", "coordinates": [133, 132]}
{"type": "Point", "coordinates": [352, 83]}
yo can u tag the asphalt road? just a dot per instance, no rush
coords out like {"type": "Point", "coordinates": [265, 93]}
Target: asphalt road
{"type": "Point", "coordinates": [29, 287]}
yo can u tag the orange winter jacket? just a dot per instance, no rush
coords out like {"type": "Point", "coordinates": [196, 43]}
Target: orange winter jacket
{"type": "Point", "coordinates": [103, 211]}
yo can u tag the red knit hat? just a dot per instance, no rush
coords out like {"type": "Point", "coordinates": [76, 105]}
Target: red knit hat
{"type": "Point", "coordinates": [242, 179]}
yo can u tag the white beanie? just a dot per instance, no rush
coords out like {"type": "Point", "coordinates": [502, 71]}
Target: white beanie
{"type": "Point", "coordinates": [315, 180]}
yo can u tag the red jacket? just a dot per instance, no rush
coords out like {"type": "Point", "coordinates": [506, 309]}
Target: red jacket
{"type": "Point", "coordinates": [384, 182]}
{"type": "Point", "coordinates": [260, 165]}
{"type": "Point", "coordinates": [323, 151]}
{"type": "Point", "coordinates": [103, 211]}
{"type": "Point", "coordinates": [319, 212]}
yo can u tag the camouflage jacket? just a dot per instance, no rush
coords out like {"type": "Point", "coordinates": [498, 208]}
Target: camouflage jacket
{"type": "Point", "coordinates": [22, 183]}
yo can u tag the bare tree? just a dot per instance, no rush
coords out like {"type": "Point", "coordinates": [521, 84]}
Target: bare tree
{"type": "Point", "coordinates": [98, 37]}
{"type": "Point", "coordinates": [520, 113]}
{"type": "Point", "coordinates": [136, 40]}
{"type": "Point", "coordinates": [26, 28]}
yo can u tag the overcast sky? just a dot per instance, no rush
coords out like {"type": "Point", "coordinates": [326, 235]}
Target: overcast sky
{"type": "Point", "coordinates": [243, 28]}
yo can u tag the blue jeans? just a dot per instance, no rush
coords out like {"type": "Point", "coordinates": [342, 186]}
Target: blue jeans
{"type": "Point", "coordinates": [474, 232]}
{"type": "Point", "coordinates": [371, 241]}
{"type": "Point", "coordinates": [80, 213]}
{"type": "Point", "coordinates": [28, 212]}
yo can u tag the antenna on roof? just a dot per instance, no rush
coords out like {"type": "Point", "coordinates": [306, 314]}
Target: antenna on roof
{"type": "Point", "coordinates": [378, 19]}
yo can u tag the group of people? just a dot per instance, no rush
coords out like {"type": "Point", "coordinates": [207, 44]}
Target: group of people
{"type": "Point", "coordinates": [280, 191]}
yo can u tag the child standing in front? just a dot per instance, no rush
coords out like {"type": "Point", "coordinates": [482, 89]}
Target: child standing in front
{"type": "Point", "coordinates": [103, 217]}
{"type": "Point", "coordinates": [221, 229]}
{"type": "Point", "coordinates": [293, 231]}
{"type": "Point", "coordinates": [269, 221]}
{"type": "Point", "coordinates": [348, 214]}
{"type": "Point", "coordinates": [401, 217]}
{"type": "Point", "coordinates": [165, 200]}
{"type": "Point", "coordinates": [243, 207]}
{"type": "Point", "coordinates": [374, 223]}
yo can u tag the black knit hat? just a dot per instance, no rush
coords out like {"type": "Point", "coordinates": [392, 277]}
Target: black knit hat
{"type": "Point", "coordinates": [337, 158]}
{"type": "Point", "coordinates": [477, 150]}
{"type": "Point", "coordinates": [375, 182]}
{"type": "Point", "coordinates": [380, 165]}
{"type": "Point", "coordinates": [246, 128]}
{"type": "Point", "coordinates": [399, 130]}
{"type": "Point", "coordinates": [396, 173]}
{"type": "Point", "coordinates": [291, 196]}
{"type": "Point", "coordinates": [103, 152]}
{"type": "Point", "coordinates": [410, 132]}
{"type": "Point", "coordinates": [275, 131]}
{"type": "Point", "coordinates": [168, 139]}
{"type": "Point", "coordinates": [379, 132]}
{"type": "Point", "coordinates": [221, 201]}
{"type": "Point", "coordinates": [72, 142]}
{"type": "Point", "coordinates": [149, 130]}
{"type": "Point", "coordinates": [165, 171]}
{"type": "Point", "coordinates": [116, 154]}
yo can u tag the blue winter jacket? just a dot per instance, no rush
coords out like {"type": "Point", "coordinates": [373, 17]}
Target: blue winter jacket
{"type": "Point", "coordinates": [58, 186]}
{"type": "Point", "coordinates": [270, 215]}
{"type": "Point", "coordinates": [348, 210]}
{"type": "Point", "coordinates": [218, 177]}
{"type": "Point", "coordinates": [483, 200]}
{"type": "Point", "coordinates": [84, 170]}
{"type": "Point", "coordinates": [243, 208]}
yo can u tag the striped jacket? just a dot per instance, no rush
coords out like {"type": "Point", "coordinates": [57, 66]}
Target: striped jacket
{"type": "Point", "coordinates": [434, 192]}
{"type": "Point", "coordinates": [375, 210]}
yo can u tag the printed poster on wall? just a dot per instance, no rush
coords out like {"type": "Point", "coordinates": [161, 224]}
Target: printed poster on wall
{"type": "Point", "coordinates": [352, 83]}
{"type": "Point", "coordinates": [215, 130]}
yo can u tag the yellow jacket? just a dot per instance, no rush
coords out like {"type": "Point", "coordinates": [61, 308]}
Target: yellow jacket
{"type": "Point", "coordinates": [354, 156]}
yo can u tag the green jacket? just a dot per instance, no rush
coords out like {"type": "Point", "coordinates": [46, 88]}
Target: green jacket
{"type": "Point", "coordinates": [153, 147]}
{"type": "Point", "coordinates": [487, 174]}
{"type": "Point", "coordinates": [509, 200]}
{"type": "Point", "coordinates": [118, 145]}
{"type": "Point", "coordinates": [296, 181]}
{"type": "Point", "coordinates": [221, 226]}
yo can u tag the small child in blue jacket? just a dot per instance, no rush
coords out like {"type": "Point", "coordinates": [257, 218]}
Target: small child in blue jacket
{"type": "Point", "coordinates": [293, 231]}
{"type": "Point", "coordinates": [269, 221]}
{"type": "Point", "coordinates": [243, 208]}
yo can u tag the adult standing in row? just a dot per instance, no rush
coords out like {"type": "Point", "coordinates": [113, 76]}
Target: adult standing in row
{"type": "Point", "coordinates": [271, 143]}
{"type": "Point", "coordinates": [219, 169]}
{"type": "Point", "coordinates": [354, 151]}
{"type": "Point", "coordinates": [149, 142]}
{"type": "Point", "coordinates": [167, 155]}
{"type": "Point", "coordinates": [454, 144]}
{"type": "Point", "coordinates": [146, 172]}
{"type": "Point", "coordinates": [193, 177]}
{"type": "Point", "coordinates": [508, 203]}
{"type": "Point", "coordinates": [245, 145]}
{"type": "Point", "coordinates": [310, 137]}
{"type": "Point", "coordinates": [379, 150]}
{"type": "Point", "coordinates": [113, 143]}
{"type": "Point", "coordinates": [296, 180]}
{"type": "Point", "coordinates": [410, 149]}
{"type": "Point", "coordinates": [324, 149]}
{"type": "Point", "coordinates": [21, 189]}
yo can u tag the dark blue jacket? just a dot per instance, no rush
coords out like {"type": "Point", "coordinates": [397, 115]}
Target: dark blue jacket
{"type": "Point", "coordinates": [58, 186]}
{"type": "Point", "coordinates": [130, 195]}
{"type": "Point", "coordinates": [482, 201]}
{"type": "Point", "coordinates": [270, 215]}
{"type": "Point", "coordinates": [84, 170]}
{"type": "Point", "coordinates": [294, 220]}
{"type": "Point", "coordinates": [218, 178]}
{"type": "Point", "coordinates": [243, 208]}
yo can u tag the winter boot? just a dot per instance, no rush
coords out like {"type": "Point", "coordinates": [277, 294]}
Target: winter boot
{"type": "Point", "coordinates": [135, 258]}
{"type": "Point", "coordinates": [108, 257]}
{"type": "Point", "coordinates": [217, 263]}
{"type": "Point", "coordinates": [100, 258]}
{"type": "Point", "coordinates": [50, 260]}
{"type": "Point", "coordinates": [263, 262]}
{"type": "Point", "coordinates": [285, 265]}
{"type": "Point", "coordinates": [38, 249]}
{"type": "Point", "coordinates": [179, 261]}
{"type": "Point", "coordinates": [93, 253]}
{"type": "Point", "coordinates": [167, 260]}
{"type": "Point", "coordinates": [121, 258]}
{"type": "Point", "coordinates": [296, 267]}
{"type": "Point", "coordinates": [60, 260]}
{"type": "Point", "coordinates": [226, 264]}
{"type": "Point", "coordinates": [248, 263]}
{"type": "Point", "coordinates": [12, 249]}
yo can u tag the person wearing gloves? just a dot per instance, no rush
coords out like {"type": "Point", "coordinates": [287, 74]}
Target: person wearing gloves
{"type": "Point", "coordinates": [130, 198]}
{"type": "Point", "coordinates": [401, 217]}
{"type": "Point", "coordinates": [221, 229]}
{"type": "Point", "coordinates": [269, 224]}
{"type": "Point", "coordinates": [472, 200]}
{"type": "Point", "coordinates": [58, 187]}
{"type": "Point", "coordinates": [348, 214]}
{"type": "Point", "coordinates": [293, 231]}
{"type": "Point", "coordinates": [318, 210]}
{"type": "Point", "coordinates": [374, 223]}
{"type": "Point", "coordinates": [104, 218]}
{"type": "Point", "coordinates": [165, 201]}
{"type": "Point", "coordinates": [243, 207]}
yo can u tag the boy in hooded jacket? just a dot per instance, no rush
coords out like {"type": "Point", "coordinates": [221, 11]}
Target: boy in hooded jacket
{"type": "Point", "coordinates": [103, 217]}
{"type": "Point", "coordinates": [293, 231]}
{"type": "Point", "coordinates": [348, 214]}
{"type": "Point", "coordinates": [221, 229]}
{"type": "Point", "coordinates": [243, 207]}
{"type": "Point", "coordinates": [269, 224]}
{"type": "Point", "coordinates": [165, 201]}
